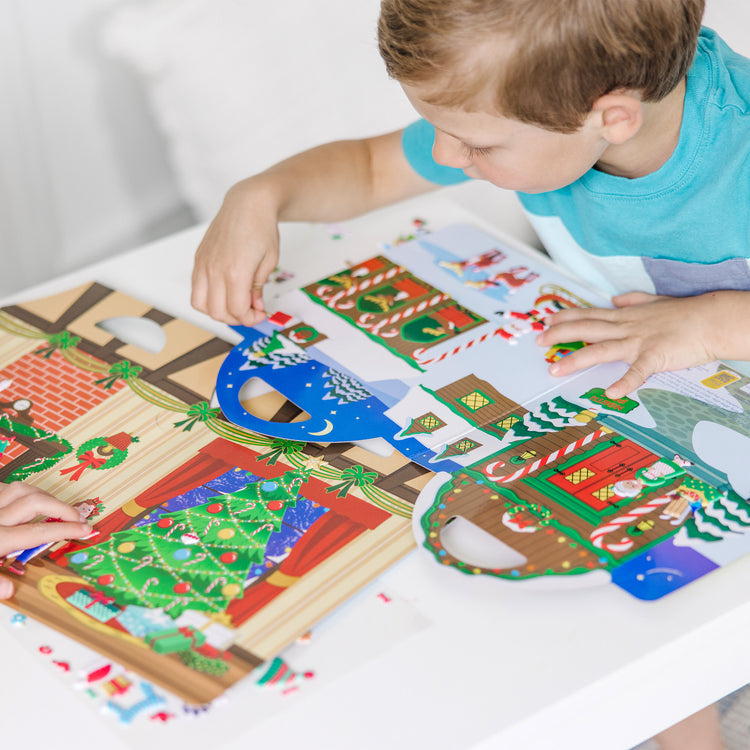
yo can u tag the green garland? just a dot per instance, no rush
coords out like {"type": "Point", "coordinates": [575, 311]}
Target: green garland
{"type": "Point", "coordinates": [123, 371]}
{"type": "Point", "coordinates": [40, 464]}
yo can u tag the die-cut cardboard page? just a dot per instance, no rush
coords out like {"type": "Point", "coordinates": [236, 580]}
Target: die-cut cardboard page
{"type": "Point", "coordinates": [223, 537]}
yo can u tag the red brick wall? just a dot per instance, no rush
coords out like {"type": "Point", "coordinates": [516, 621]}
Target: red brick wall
{"type": "Point", "coordinates": [60, 392]}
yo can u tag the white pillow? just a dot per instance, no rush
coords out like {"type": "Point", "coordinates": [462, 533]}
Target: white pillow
{"type": "Point", "coordinates": [236, 85]}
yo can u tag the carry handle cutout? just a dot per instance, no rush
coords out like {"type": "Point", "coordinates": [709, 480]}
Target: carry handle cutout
{"type": "Point", "coordinates": [144, 333]}
{"type": "Point", "coordinates": [474, 546]}
{"type": "Point", "coordinates": [263, 401]}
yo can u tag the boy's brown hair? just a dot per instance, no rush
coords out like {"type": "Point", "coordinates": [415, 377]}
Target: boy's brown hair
{"type": "Point", "coordinates": [543, 62]}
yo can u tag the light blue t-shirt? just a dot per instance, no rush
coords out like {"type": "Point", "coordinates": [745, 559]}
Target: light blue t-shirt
{"type": "Point", "coordinates": [682, 230]}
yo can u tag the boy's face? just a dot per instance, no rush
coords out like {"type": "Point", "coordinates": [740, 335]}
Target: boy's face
{"type": "Point", "coordinates": [509, 153]}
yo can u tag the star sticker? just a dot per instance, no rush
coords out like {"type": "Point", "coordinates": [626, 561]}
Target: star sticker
{"type": "Point", "coordinates": [314, 463]}
{"type": "Point", "coordinates": [222, 618]}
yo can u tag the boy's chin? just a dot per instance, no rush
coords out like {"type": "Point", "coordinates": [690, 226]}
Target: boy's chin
{"type": "Point", "coordinates": [518, 186]}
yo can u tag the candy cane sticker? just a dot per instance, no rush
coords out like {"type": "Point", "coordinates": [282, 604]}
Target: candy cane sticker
{"type": "Point", "coordinates": [145, 561]}
{"type": "Point", "coordinates": [94, 561]}
{"type": "Point", "coordinates": [176, 527]}
{"type": "Point", "coordinates": [598, 534]}
{"type": "Point", "coordinates": [539, 463]}
{"type": "Point", "coordinates": [334, 301]}
{"type": "Point", "coordinates": [220, 581]}
{"type": "Point", "coordinates": [149, 582]}
{"type": "Point", "coordinates": [400, 315]}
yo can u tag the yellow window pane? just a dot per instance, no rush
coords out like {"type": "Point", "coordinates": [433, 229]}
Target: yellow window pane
{"type": "Point", "coordinates": [581, 475]}
{"type": "Point", "coordinates": [475, 400]}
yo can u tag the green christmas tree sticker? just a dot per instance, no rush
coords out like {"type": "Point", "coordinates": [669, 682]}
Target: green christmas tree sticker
{"type": "Point", "coordinates": [722, 515]}
{"type": "Point", "coordinates": [197, 558]}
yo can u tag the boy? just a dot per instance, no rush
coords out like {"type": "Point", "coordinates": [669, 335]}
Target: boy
{"type": "Point", "coordinates": [626, 164]}
{"type": "Point", "coordinates": [623, 127]}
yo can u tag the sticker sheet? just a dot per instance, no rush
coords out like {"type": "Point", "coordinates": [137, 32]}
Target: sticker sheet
{"type": "Point", "coordinates": [239, 494]}
{"type": "Point", "coordinates": [428, 350]}
{"type": "Point", "coordinates": [214, 547]}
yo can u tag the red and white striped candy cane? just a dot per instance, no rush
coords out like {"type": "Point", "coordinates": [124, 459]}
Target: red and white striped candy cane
{"type": "Point", "coordinates": [407, 312]}
{"type": "Point", "coordinates": [417, 353]}
{"type": "Point", "coordinates": [524, 470]}
{"type": "Point", "coordinates": [598, 534]}
{"type": "Point", "coordinates": [334, 301]}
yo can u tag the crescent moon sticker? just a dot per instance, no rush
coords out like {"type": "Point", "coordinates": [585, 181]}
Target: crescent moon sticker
{"type": "Point", "coordinates": [328, 428]}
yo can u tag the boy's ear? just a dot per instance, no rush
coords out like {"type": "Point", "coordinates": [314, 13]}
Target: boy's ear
{"type": "Point", "coordinates": [621, 116]}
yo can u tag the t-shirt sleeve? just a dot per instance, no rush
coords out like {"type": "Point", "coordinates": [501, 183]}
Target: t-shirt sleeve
{"type": "Point", "coordinates": [417, 141]}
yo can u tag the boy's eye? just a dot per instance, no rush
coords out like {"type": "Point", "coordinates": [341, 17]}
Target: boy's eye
{"type": "Point", "coordinates": [474, 151]}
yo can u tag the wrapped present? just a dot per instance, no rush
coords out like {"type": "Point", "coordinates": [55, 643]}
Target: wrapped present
{"type": "Point", "coordinates": [139, 621]}
{"type": "Point", "coordinates": [118, 685]}
{"type": "Point", "coordinates": [95, 604]}
{"type": "Point", "coordinates": [175, 639]}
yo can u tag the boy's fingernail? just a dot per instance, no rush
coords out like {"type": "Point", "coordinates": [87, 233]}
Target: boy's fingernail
{"type": "Point", "coordinates": [553, 369]}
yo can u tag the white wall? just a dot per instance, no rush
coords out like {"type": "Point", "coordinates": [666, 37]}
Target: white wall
{"type": "Point", "coordinates": [84, 170]}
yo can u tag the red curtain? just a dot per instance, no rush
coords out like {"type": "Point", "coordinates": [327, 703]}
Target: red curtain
{"type": "Point", "coordinates": [328, 534]}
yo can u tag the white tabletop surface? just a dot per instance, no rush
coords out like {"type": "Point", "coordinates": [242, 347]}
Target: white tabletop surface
{"type": "Point", "coordinates": [466, 665]}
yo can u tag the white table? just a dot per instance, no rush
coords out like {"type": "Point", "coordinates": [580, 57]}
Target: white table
{"type": "Point", "coordinates": [583, 668]}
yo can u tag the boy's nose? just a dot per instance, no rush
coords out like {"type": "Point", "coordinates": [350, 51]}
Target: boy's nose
{"type": "Point", "coordinates": [447, 151]}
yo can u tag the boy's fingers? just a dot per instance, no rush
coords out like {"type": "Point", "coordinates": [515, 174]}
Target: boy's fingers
{"type": "Point", "coordinates": [6, 588]}
{"type": "Point", "coordinates": [592, 331]}
{"type": "Point", "coordinates": [581, 313]}
{"type": "Point", "coordinates": [635, 298]}
{"type": "Point", "coordinates": [14, 491]}
{"type": "Point", "coordinates": [35, 503]}
{"type": "Point", "coordinates": [239, 296]}
{"type": "Point", "coordinates": [198, 291]}
{"type": "Point", "coordinates": [588, 356]}
{"type": "Point", "coordinates": [34, 534]}
{"type": "Point", "coordinates": [632, 379]}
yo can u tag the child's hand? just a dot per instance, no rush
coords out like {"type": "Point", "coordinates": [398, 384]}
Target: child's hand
{"type": "Point", "coordinates": [235, 258]}
{"type": "Point", "coordinates": [652, 334]}
{"type": "Point", "coordinates": [20, 504]}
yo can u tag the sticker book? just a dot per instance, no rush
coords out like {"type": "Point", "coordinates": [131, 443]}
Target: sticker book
{"type": "Point", "coordinates": [240, 493]}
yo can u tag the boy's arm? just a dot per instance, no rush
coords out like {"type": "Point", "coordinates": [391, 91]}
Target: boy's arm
{"type": "Point", "coordinates": [653, 334]}
{"type": "Point", "coordinates": [329, 183]}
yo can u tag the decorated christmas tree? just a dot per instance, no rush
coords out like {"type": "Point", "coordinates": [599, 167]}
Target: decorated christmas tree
{"type": "Point", "coordinates": [197, 558]}
{"type": "Point", "coordinates": [717, 516]}
{"type": "Point", "coordinates": [344, 388]}
{"type": "Point", "coordinates": [550, 416]}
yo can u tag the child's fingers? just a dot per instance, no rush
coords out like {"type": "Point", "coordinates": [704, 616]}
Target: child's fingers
{"type": "Point", "coordinates": [588, 356]}
{"type": "Point", "coordinates": [635, 298]}
{"type": "Point", "coordinates": [632, 379]}
{"type": "Point", "coordinates": [6, 588]}
{"type": "Point", "coordinates": [591, 330]}
{"type": "Point", "coordinates": [9, 493]}
{"type": "Point", "coordinates": [33, 534]}
{"type": "Point", "coordinates": [262, 275]}
{"type": "Point", "coordinates": [199, 291]}
{"type": "Point", "coordinates": [33, 503]}
{"type": "Point", "coordinates": [238, 291]}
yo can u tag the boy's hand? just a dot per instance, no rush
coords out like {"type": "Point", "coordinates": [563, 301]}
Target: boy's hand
{"type": "Point", "coordinates": [20, 504]}
{"type": "Point", "coordinates": [652, 334]}
{"type": "Point", "coordinates": [234, 260]}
